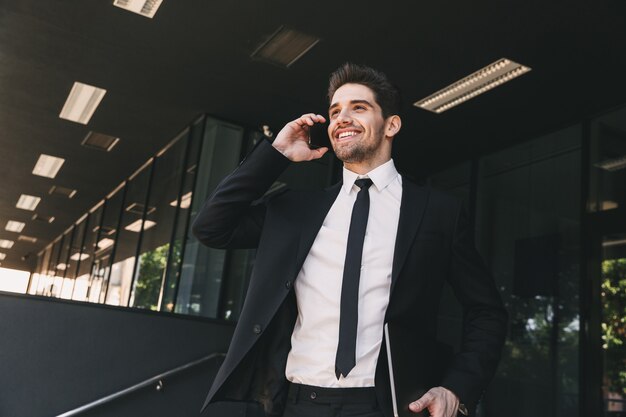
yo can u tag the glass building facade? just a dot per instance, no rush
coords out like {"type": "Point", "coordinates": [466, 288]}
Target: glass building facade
{"type": "Point", "coordinates": [549, 216]}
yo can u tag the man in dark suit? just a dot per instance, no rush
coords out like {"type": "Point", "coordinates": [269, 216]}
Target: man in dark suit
{"type": "Point", "coordinates": [333, 267]}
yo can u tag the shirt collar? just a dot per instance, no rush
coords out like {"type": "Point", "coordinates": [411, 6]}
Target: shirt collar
{"type": "Point", "coordinates": [381, 176]}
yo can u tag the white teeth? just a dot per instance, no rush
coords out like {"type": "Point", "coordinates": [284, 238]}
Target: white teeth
{"type": "Point", "coordinates": [346, 134]}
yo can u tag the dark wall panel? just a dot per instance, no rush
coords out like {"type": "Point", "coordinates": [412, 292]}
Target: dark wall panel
{"type": "Point", "coordinates": [56, 355]}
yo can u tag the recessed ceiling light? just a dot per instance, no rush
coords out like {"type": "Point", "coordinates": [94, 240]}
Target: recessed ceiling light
{"type": "Point", "coordinates": [48, 166]}
{"type": "Point", "coordinates": [13, 226]}
{"type": "Point", "coordinates": [483, 80]}
{"type": "Point", "coordinates": [63, 191]}
{"type": "Point", "coordinates": [79, 256]}
{"type": "Point", "coordinates": [185, 201]}
{"type": "Point", "coordinates": [100, 141]}
{"type": "Point", "coordinates": [62, 267]}
{"type": "Point", "coordinates": [82, 102]}
{"type": "Point", "coordinates": [2, 256]}
{"type": "Point", "coordinates": [285, 46]}
{"type": "Point", "coordinates": [105, 243]}
{"type": "Point", "coordinates": [136, 225]}
{"type": "Point", "coordinates": [6, 244]}
{"type": "Point", "coordinates": [28, 239]}
{"type": "Point", "coordinates": [43, 219]}
{"type": "Point", "coordinates": [28, 202]}
{"type": "Point", "coordinates": [147, 8]}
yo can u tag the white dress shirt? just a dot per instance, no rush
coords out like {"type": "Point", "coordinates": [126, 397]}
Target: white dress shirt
{"type": "Point", "coordinates": [311, 360]}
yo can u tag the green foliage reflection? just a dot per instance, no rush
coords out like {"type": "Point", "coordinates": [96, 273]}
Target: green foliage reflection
{"type": "Point", "coordinates": [614, 323]}
{"type": "Point", "coordinates": [151, 268]}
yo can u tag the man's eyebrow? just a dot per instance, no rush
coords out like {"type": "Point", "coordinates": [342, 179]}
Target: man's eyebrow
{"type": "Point", "coordinates": [332, 106]}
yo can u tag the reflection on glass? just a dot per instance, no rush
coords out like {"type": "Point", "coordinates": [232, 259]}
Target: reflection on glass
{"type": "Point", "coordinates": [134, 213]}
{"type": "Point", "coordinates": [613, 296]}
{"type": "Point", "coordinates": [152, 265]}
{"type": "Point", "coordinates": [155, 249]}
{"type": "Point", "coordinates": [106, 236]}
{"type": "Point", "coordinates": [608, 162]}
{"type": "Point", "coordinates": [528, 229]}
{"type": "Point", "coordinates": [182, 215]}
{"type": "Point", "coordinates": [203, 268]}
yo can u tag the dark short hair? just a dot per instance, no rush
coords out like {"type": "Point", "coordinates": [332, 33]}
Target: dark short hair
{"type": "Point", "coordinates": [385, 93]}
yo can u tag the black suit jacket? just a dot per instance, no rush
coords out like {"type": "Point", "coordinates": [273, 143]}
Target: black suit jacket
{"type": "Point", "coordinates": [434, 244]}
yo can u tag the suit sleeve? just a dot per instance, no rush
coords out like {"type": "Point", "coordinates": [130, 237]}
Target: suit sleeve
{"type": "Point", "coordinates": [232, 217]}
{"type": "Point", "coordinates": [484, 317]}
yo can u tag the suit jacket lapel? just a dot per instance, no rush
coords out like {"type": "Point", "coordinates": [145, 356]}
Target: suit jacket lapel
{"type": "Point", "coordinates": [313, 216]}
{"type": "Point", "coordinates": [412, 207]}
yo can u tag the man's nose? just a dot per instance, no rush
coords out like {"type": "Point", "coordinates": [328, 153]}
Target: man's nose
{"type": "Point", "coordinates": [343, 118]}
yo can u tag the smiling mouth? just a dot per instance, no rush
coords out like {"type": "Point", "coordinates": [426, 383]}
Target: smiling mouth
{"type": "Point", "coordinates": [347, 134]}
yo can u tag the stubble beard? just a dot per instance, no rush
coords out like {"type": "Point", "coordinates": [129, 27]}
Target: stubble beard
{"type": "Point", "coordinates": [360, 151]}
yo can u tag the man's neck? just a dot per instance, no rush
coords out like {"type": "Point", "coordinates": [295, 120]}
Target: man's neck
{"type": "Point", "coordinates": [364, 167]}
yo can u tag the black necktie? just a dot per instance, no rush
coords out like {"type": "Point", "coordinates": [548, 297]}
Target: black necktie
{"type": "Point", "coordinates": [349, 311]}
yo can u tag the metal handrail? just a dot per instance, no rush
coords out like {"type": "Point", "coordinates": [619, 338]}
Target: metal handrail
{"type": "Point", "coordinates": [154, 380]}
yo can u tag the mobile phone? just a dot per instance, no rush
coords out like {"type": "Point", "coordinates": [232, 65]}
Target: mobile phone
{"type": "Point", "coordinates": [318, 136]}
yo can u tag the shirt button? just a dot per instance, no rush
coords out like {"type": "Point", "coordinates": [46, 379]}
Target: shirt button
{"type": "Point", "coordinates": [257, 329]}
{"type": "Point", "coordinates": [313, 395]}
{"type": "Point", "coordinates": [288, 285]}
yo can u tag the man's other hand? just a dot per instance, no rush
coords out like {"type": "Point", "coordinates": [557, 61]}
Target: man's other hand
{"type": "Point", "coordinates": [439, 401]}
{"type": "Point", "coordinates": [293, 140]}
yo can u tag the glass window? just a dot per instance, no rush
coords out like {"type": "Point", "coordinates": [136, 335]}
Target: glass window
{"type": "Point", "coordinates": [528, 229]}
{"type": "Point", "coordinates": [193, 146]}
{"type": "Point", "coordinates": [608, 162]}
{"type": "Point", "coordinates": [44, 277]}
{"type": "Point", "coordinates": [613, 323]}
{"type": "Point", "coordinates": [64, 265]}
{"type": "Point", "coordinates": [203, 268]}
{"type": "Point", "coordinates": [131, 223]}
{"type": "Point", "coordinates": [155, 244]}
{"type": "Point", "coordinates": [87, 255]}
{"type": "Point", "coordinates": [107, 236]}
{"type": "Point", "coordinates": [53, 282]}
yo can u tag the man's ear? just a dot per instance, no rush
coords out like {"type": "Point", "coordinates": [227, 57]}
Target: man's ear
{"type": "Point", "coordinates": [392, 125]}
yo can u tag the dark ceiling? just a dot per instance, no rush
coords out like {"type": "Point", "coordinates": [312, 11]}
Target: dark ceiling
{"type": "Point", "coordinates": [194, 58]}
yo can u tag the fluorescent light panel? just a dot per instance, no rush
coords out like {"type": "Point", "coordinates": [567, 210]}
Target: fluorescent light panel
{"type": "Point", "coordinates": [481, 81]}
{"type": "Point", "coordinates": [6, 244]}
{"type": "Point", "coordinates": [185, 201]}
{"type": "Point", "coordinates": [105, 243]}
{"type": "Point", "coordinates": [13, 226]}
{"type": "Point", "coordinates": [29, 239]}
{"type": "Point", "coordinates": [79, 256]}
{"type": "Point", "coordinates": [48, 166]}
{"type": "Point", "coordinates": [28, 202]}
{"type": "Point", "coordinates": [613, 164]}
{"type": "Point", "coordinates": [147, 8]}
{"type": "Point", "coordinates": [285, 47]}
{"type": "Point", "coordinates": [136, 225]}
{"type": "Point", "coordinates": [62, 267]}
{"type": "Point", "coordinates": [614, 242]}
{"type": "Point", "coordinates": [82, 102]}
{"type": "Point", "coordinates": [2, 256]}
